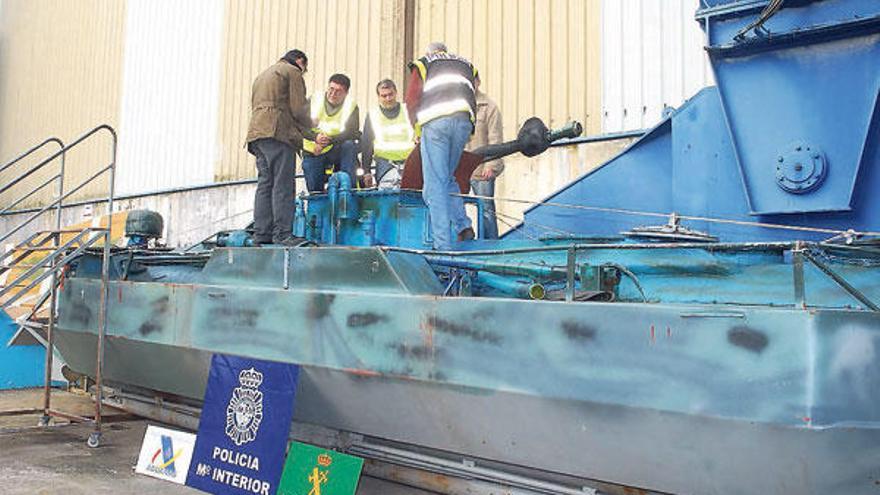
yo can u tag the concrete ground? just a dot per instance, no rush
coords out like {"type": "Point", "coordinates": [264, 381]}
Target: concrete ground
{"type": "Point", "coordinates": [56, 460]}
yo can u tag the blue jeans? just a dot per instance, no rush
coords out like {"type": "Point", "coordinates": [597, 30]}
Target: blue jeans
{"type": "Point", "coordinates": [442, 143]}
{"type": "Point", "coordinates": [489, 228]}
{"type": "Point", "coordinates": [342, 154]}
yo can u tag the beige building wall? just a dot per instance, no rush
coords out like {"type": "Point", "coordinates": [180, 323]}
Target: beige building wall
{"type": "Point", "coordinates": [536, 58]}
{"type": "Point", "coordinates": [60, 71]}
{"type": "Point", "coordinates": [360, 38]}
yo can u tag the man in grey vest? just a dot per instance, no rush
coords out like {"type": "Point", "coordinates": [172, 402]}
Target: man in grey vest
{"type": "Point", "coordinates": [442, 106]}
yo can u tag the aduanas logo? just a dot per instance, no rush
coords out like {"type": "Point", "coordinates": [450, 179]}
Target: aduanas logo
{"type": "Point", "coordinates": [245, 410]}
{"type": "Point", "coordinates": [165, 466]}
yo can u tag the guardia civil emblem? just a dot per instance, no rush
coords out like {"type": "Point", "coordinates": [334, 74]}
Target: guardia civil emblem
{"type": "Point", "coordinates": [245, 410]}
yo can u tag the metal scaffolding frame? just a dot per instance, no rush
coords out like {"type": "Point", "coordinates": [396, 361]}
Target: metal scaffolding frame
{"type": "Point", "coordinates": [59, 252]}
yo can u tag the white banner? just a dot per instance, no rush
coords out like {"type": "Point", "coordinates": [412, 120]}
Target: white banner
{"type": "Point", "coordinates": [166, 454]}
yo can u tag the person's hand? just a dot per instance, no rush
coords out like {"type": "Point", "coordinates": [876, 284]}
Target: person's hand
{"type": "Point", "coordinates": [368, 181]}
{"type": "Point", "coordinates": [323, 139]}
{"type": "Point", "coordinates": [487, 174]}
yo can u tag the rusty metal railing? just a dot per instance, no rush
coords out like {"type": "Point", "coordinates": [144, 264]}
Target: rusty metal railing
{"type": "Point", "coordinates": [62, 253]}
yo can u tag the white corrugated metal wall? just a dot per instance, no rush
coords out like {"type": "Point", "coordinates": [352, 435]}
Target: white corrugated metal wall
{"type": "Point", "coordinates": [652, 57]}
{"type": "Point", "coordinates": [170, 94]}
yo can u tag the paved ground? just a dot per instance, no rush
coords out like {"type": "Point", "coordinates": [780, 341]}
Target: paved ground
{"type": "Point", "coordinates": [56, 460]}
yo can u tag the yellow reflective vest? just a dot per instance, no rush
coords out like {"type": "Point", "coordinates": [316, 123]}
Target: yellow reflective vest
{"type": "Point", "coordinates": [394, 137]}
{"type": "Point", "coordinates": [331, 125]}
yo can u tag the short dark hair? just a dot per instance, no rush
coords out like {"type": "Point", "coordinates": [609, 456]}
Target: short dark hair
{"type": "Point", "coordinates": [341, 79]}
{"type": "Point", "coordinates": [386, 83]}
{"type": "Point", "coordinates": [293, 55]}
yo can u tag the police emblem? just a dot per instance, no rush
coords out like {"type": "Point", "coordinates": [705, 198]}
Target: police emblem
{"type": "Point", "coordinates": [245, 410]}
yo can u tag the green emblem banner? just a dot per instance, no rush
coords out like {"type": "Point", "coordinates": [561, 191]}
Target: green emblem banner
{"type": "Point", "coordinates": [311, 470]}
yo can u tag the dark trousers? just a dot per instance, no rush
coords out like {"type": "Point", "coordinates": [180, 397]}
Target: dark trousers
{"type": "Point", "coordinates": [273, 202]}
{"type": "Point", "coordinates": [314, 167]}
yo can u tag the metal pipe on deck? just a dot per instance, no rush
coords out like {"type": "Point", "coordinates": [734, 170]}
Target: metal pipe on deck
{"type": "Point", "coordinates": [500, 268]}
{"type": "Point", "coordinates": [511, 286]}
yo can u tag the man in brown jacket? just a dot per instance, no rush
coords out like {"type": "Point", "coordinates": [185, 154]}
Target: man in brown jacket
{"type": "Point", "coordinates": [278, 116]}
{"type": "Point", "coordinates": [488, 130]}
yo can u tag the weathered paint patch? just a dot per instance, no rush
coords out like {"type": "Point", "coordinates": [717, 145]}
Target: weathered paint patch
{"type": "Point", "coordinates": [361, 372]}
{"type": "Point", "coordinates": [358, 320]}
{"type": "Point", "coordinates": [161, 305]}
{"type": "Point", "coordinates": [235, 317]}
{"type": "Point", "coordinates": [148, 327]}
{"type": "Point", "coordinates": [485, 312]}
{"type": "Point", "coordinates": [404, 373]}
{"type": "Point", "coordinates": [80, 313]}
{"type": "Point", "coordinates": [318, 305]}
{"type": "Point", "coordinates": [748, 338]}
{"type": "Point", "coordinates": [437, 375]}
{"type": "Point", "coordinates": [578, 331]}
{"type": "Point", "coordinates": [420, 352]}
{"type": "Point", "coordinates": [460, 330]}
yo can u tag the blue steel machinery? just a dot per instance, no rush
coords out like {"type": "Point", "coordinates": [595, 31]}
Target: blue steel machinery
{"type": "Point", "coordinates": [698, 315]}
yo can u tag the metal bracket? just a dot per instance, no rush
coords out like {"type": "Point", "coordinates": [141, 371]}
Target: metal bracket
{"type": "Point", "coordinates": [570, 266]}
{"type": "Point", "coordinates": [286, 269]}
{"type": "Point", "coordinates": [797, 258]}
{"type": "Point", "coordinates": [672, 230]}
{"type": "Point", "coordinates": [855, 293]}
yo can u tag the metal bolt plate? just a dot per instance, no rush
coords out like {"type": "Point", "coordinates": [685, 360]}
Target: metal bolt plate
{"type": "Point", "coordinates": [800, 169]}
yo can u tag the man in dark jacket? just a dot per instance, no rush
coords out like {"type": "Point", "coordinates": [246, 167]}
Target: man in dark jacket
{"type": "Point", "coordinates": [279, 114]}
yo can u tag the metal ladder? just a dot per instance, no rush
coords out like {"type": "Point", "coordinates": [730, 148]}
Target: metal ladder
{"type": "Point", "coordinates": [43, 255]}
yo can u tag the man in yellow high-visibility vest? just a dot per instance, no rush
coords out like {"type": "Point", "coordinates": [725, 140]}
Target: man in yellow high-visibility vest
{"type": "Point", "coordinates": [331, 142]}
{"type": "Point", "coordinates": [388, 137]}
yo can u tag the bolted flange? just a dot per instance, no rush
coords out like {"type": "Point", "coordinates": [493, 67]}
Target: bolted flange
{"type": "Point", "coordinates": [801, 168]}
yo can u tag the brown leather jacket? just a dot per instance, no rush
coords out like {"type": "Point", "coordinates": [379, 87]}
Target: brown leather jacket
{"type": "Point", "coordinates": [278, 105]}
